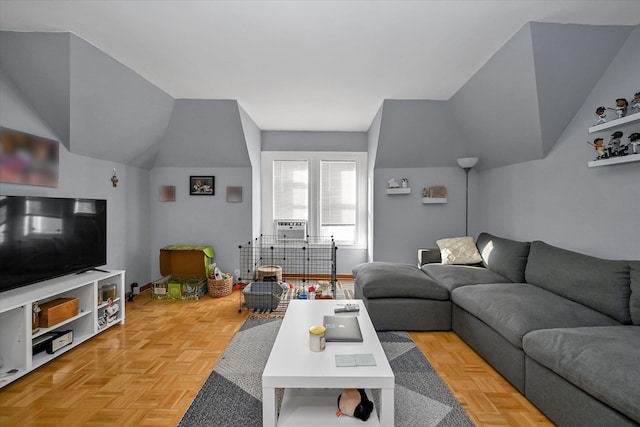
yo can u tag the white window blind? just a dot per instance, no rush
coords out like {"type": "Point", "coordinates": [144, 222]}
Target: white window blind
{"type": "Point", "coordinates": [290, 189]}
{"type": "Point", "coordinates": [327, 189]}
{"type": "Point", "coordinates": [338, 193]}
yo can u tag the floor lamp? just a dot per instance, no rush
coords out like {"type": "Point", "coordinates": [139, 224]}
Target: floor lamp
{"type": "Point", "coordinates": [467, 163]}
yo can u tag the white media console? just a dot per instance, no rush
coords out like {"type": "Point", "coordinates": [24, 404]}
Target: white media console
{"type": "Point", "coordinates": [16, 337]}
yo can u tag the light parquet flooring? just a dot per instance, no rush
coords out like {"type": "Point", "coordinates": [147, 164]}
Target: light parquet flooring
{"type": "Point", "coordinates": [487, 397]}
{"type": "Point", "coordinates": [147, 372]}
{"type": "Point", "coordinates": [143, 373]}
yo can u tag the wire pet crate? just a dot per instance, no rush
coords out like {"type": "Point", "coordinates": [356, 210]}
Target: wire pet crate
{"type": "Point", "coordinates": [302, 262]}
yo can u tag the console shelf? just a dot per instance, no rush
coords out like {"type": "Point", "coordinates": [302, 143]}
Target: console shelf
{"type": "Point", "coordinates": [16, 338]}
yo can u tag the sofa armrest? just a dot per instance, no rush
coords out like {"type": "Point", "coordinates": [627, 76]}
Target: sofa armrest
{"type": "Point", "coordinates": [428, 256]}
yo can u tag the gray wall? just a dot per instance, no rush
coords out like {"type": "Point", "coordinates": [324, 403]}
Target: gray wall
{"type": "Point", "coordinates": [562, 201]}
{"type": "Point", "coordinates": [81, 176]}
{"type": "Point", "coordinates": [402, 224]}
{"type": "Point", "coordinates": [313, 141]}
{"type": "Point", "coordinates": [347, 258]}
{"type": "Point", "coordinates": [253, 137]}
{"type": "Point", "coordinates": [200, 220]}
{"type": "Point", "coordinates": [374, 137]}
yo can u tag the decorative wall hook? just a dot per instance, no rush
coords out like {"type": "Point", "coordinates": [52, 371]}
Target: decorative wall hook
{"type": "Point", "coordinates": [114, 178]}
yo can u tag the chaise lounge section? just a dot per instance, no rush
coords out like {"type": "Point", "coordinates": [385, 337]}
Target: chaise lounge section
{"type": "Point", "coordinates": [562, 327]}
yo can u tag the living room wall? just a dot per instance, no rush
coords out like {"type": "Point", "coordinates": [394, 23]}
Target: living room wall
{"type": "Point", "coordinates": [559, 199]}
{"type": "Point", "coordinates": [346, 257]}
{"type": "Point", "coordinates": [200, 220]}
{"type": "Point", "coordinates": [402, 218]}
{"type": "Point", "coordinates": [80, 176]}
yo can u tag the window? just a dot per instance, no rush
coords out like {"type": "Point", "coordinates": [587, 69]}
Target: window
{"type": "Point", "coordinates": [326, 189]}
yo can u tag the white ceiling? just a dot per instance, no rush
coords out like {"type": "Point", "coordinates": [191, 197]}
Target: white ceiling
{"type": "Point", "coordinates": [305, 65]}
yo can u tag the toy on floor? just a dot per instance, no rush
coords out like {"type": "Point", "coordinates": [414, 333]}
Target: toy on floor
{"type": "Point", "coordinates": [355, 403]}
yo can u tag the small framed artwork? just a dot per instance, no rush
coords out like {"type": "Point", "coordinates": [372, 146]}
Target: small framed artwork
{"type": "Point", "coordinates": [167, 193]}
{"type": "Point", "coordinates": [234, 194]}
{"type": "Point", "coordinates": [202, 185]}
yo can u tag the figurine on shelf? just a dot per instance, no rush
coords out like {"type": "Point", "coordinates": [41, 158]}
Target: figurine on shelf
{"type": "Point", "coordinates": [635, 103]}
{"type": "Point", "coordinates": [614, 143]}
{"type": "Point", "coordinates": [620, 108]}
{"type": "Point", "coordinates": [601, 112]}
{"type": "Point", "coordinates": [634, 141]}
{"type": "Point", "coordinates": [35, 321]}
{"type": "Point", "coordinates": [393, 183]}
{"type": "Point", "coordinates": [598, 145]}
{"type": "Point", "coordinates": [425, 192]}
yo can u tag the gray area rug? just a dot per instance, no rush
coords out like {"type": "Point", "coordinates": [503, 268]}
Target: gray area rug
{"type": "Point", "coordinates": [232, 395]}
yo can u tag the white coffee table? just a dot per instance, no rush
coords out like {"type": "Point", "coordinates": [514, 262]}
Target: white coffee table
{"type": "Point", "coordinates": [312, 382]}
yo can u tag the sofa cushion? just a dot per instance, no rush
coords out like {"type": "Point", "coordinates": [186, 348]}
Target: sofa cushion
{"type": "Point", "coordinates": [598, 283]}
{"type": "Point", "coordinates": [458, 250]}
{"type": "Point", "coordinates": [395, 280]}
{"type": "Point", "coordinates": [504, 256]}
{"type": "Point", "coordinates": [634, 301]}
{"type": "Point", "coordinates": [453, 276]}
{"type": "Point", "coordinates": [515, 309]}
{"type": "Point", "coordinates": [602, 361]}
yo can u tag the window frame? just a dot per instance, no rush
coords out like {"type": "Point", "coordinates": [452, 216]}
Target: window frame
{"type": "Point", "coordinates": [314, 159]}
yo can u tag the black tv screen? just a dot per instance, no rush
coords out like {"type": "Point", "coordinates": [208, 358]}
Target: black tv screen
{"type": "Point", "coordinates": [42, 238]}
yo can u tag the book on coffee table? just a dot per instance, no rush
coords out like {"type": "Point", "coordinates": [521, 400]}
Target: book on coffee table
{"type": "Point", "coordinates": [351, 360]}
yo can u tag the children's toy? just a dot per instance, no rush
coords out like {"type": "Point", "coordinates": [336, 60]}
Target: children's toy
{"type": "Point", "coordinates": [355, 403]}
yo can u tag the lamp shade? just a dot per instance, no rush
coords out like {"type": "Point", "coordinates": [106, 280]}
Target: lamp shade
{"type": "Point", "coordinates": [467, 162]}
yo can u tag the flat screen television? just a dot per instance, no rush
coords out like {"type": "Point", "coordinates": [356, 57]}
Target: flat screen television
{"type": "Point", "coordinates": [43, 237]}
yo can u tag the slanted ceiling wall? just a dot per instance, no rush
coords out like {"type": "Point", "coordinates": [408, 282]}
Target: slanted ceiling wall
{"type": "Point", "coordinates": [512, 110]}
{"type": "Point", "coordinates": [98, 107]}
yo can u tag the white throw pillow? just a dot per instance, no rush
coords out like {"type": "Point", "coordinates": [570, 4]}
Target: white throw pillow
{"type": "Point", "coordinates": [459, 250]}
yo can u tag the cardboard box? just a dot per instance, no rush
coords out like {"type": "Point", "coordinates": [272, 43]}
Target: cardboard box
{"type": "Point", "coordinates": [57, 310]}
{"type": "Point", "coordinates": [185, 270]}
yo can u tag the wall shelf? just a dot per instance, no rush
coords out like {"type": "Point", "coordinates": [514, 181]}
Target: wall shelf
{"type": "Point", "coordinates": [615, 160]}
{"type": "Point", "coordinates": [616, 122]}
{"type": "Point", "coordinates": [434, 200]}
{"type": "Point", "coordinates": [398, 190]}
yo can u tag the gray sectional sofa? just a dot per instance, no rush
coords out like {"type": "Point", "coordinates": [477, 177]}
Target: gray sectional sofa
{"type": "Point", "coordinates": [562, 327]}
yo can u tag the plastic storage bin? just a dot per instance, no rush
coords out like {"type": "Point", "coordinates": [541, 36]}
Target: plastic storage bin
{"type": "Point", "coordinates": [263, 295]}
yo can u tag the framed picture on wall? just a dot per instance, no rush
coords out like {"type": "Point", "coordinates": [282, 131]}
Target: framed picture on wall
{"type": "Point", "coordinates": [202, 185]}
{"type": "Point", "coordinates": [167, 193]}
{"type": "Point", "coordinates": [234, 194]}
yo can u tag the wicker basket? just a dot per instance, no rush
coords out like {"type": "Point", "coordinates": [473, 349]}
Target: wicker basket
{"type": "Point", "coordinates": [220, 288]}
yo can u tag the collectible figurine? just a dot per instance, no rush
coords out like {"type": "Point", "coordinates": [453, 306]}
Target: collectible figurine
{"type": "Point", "coordinates": [393, 183]}
{"type": "Point", "coordinates": [614, 143]}
{"type": "Point", "coordinates": [35, 320]}
{"type": "Point", "coordinates": [598, 145]}
{"type": "Point", "coordinates": [635, 103]}
{"type": "Point", "coordinates": [634, 140]}
{"type": "Point", "coordinates": [621, 107]}
{"type": "Point", "coordinates": [601, 112]}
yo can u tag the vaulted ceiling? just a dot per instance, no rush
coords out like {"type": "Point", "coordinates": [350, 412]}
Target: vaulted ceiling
{"type": "Point", "coordinates": [305, 65]}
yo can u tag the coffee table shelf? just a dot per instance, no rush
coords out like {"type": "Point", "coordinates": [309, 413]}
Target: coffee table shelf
{"type": "Point", "coordinates": [317, 408]}
{"type": "Point", "coordinates": [292, 365]}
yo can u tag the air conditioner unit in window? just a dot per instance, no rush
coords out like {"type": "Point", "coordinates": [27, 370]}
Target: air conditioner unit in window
{"type": "Point", "coordinates": [291, 229]}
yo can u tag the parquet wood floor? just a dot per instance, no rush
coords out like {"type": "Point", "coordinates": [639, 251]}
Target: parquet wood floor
{"type": "Point", "coordinates": [147, 372]}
